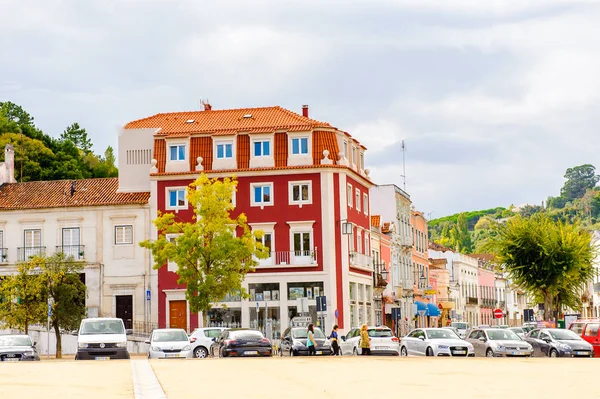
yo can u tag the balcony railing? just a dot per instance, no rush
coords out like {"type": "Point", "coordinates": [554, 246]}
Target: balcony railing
{"type": "Point", "coordinates": [472, 300]}
{"type": "Point", "coordinates": [143, 328]}
{"type": "Point", "coordinates": [26, 253]}
{"type": "Point", "coordinates": [502, 304]}
{"type": "Point", "coordinates": [3, 255]}
{"type": "Point", "coordinates": [361, 260]}
{"type": "Point", "coordinates": [289, 258]}
{"type": "Point", "coordinates": [76, 251]}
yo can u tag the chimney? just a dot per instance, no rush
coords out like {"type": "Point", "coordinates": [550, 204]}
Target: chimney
{"type": "Point", "coordinates": [207, 106]}
{"type": "Point", "coordinates": [305, 111]}
{"type": "Point", "coordinates": [7, 168]}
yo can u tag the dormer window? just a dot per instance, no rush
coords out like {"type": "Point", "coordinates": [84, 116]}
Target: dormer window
{"type": "Point", "coordinates": [177, 152]}
{"type": "Point", "coordinates": [225, 151]}
{"type": "Point", "coordinates": [300, 146]}
{"type": "Point", "coordinates": [362, 160]}
{"type": "Point", "coordinates": [346, 149]}
{"type": "Point", "coordinates": [262, 148]}
{"type": "Point", "coordinates": [354, 155]}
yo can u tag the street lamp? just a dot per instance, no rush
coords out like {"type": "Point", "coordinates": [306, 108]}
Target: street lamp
{"type": "Point", "coordinates": [423, 279]}
{"type": "Point", "coordinates": [346, 227]}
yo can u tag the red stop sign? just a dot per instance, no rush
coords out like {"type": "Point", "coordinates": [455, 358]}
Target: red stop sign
{"type": "Point", "coordinates": [498, 313]}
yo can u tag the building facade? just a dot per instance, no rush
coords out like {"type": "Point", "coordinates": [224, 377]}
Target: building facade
{"type": "Point", "coordinates": [303, 182]}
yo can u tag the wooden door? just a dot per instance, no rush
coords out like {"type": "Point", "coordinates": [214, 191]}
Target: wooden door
{"type": "Point", "coordinates": [125, 310]}
{"type": "Point", "coordinates": [178, 314]}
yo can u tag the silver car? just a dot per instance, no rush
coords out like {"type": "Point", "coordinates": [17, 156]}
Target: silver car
{"type": "Point", "coordinates": [169, 343]}
{"type": "Point", "coordinates": [496, 342]}
{"type": "Point", "coordinates": [435, 342]}
{"type": "Point", "coordinates": [17, 348]}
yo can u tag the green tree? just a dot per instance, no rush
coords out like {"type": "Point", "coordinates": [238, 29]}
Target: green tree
{"type": "Point", "coordinates": [78, 136]}
{"type": "Point", "coordinates": [211, 259]}
{"type": "Point", "coordinates": [15, 113]}
{"type": "Point", "coordinates": [529, 210]}
{"type": "Point", "coordinates": [462, 237]}
{"type": "Point", "coordinates": [23, 298]}
{"type": "Point", "coordinates": [579, 180]}
{"type": "Point", "coordinates": [31, 156]}
{"type": "Point", "coordinates": [102, 166]}
{"type": "Point", "coordinates": [549, 259]}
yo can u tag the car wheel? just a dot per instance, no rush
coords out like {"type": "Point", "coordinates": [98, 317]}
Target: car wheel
{"type": "Point", "coordinates": [489, 353]}
{"type": "Point", "coordinates": [403, 351]}
{"type": "Point", "coordinates": [429, 352]}
{"type": "Point", "coordinates": [292, 353]}
{"type": "Point", "coordinates": [200, 352]}
{"type": "Point", "coordinates": [553, 353]}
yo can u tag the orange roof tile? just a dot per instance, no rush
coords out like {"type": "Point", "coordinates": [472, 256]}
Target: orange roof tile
{"type": "Point", "coordinates": [57, 194]}
{"type": "Point", "coordinates": [281, 149]}
{"type": "Point", "coordinates": [243, 151]}
{"type": "Point", "coordinates": [230, 121]}
{"type": "Point", "coordinates": [376, 221]}
{"type": "Point", "coordinates": [385, 228]}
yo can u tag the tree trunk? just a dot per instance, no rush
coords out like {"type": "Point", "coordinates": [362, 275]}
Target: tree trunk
{"type": "Point", "coordinates": [58, 342]}
{"type": "Point", "coordinates": [26, 328]}
{"type": "Point", "coordinates": [548, 305]}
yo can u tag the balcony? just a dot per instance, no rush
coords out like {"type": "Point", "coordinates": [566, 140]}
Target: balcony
{"type": "Point", "coordinates": [76, 251]}
{"type": "Point", "coordinates": [3, 255]}
{"type": "Point", "coordinates": [26, 253]}
{"type": "Point", "coordinates": [502, 304]}
{"type": "Point", "coordinates": [361, 261]}
{"type": "Point", "coordinates": [289, 258]}
{"type": "Point", "coordinates": [472, 300]}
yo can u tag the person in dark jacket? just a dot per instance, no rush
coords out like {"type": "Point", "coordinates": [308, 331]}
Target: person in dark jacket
{"type": "Point", "coordinates": [334, 338]}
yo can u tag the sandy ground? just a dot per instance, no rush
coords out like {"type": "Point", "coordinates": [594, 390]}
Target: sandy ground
{"type": "Point", "coordinates": [66, 379]}
{"type": "Point", "coordinates": [351, 377]}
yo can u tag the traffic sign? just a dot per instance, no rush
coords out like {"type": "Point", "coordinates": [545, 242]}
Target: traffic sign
{"type": "Point", "coordinates": [498, 313]}
{"type": "Point", "coordinates": [49, 309]}
{"type": "Point", "coordinates": [148, 295]}
{"type": "Point", "coordinates": [440, 306]}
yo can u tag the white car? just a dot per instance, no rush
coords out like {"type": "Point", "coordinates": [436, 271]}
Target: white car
{"type": "Point", "coordinates": [383, 342]}
{"type": "Point", "coordinates": [102, 338]}
{"type": "Point", "coordinates": [202, 338]}
{"type": "Point", "coordinates": [435, 342]}
{"type": "Point", "coordinates": [461, 327]}
{"type": "Point", "coordinates": [169, 343]}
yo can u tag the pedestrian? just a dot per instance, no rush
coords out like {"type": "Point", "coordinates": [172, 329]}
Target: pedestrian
{"type": "Point", "coordinates": [311, 344]}
{"type": "Point", "coordinates": [365, 340]}
{"type": "Point", "coordinates": [334, 340]}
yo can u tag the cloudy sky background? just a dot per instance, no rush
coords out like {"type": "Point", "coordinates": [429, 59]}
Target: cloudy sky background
{"type": "Point", "coordinates": [494, 99]}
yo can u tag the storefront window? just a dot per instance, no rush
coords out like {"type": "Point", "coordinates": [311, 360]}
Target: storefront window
{"type": "Point", "coordinates": [369, 316]}
{"type": "Point", "coordinates": [230, 318]}
{"type": "Point", "coordinates": [352, 291]}
{"type": "Point", "coordinates": [309, 290]}
{"type": "Point", "coordinates": [264, 292]}
{"type": "Point", "coordinates": [361, 292]}
{"type": "Point", "coordinates": [267, 320]}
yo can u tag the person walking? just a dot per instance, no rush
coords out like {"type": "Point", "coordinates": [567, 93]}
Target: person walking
{"type": "Point", "coordinates": [365, 340]}
{"type": "Point", "coordinates": [334, 340]}
{"type": "Point", "coordinates": [311, 344]}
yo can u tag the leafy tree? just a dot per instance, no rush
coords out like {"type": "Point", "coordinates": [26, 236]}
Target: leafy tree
{"type": "Point", "coordinates": [211, 259]}
{"type": "Point", "coordinates": [550, 259]}
{"type": "Point", "coordinates": [24, 298]}
{"type": "Point", "coordinates": [579, 179]}
{"type": "Point", "coordinates": [78, 136]}
{"type": "Point", "coordinates": [462, 236]}
{"type": "Point", "coordinates": [556, 202]}
{"type": "Point", "coordinates": [34, 157]}
{"type": "Point", "coordinates": [15, 113]}
{"type": "Point", "coordinates": [529, 210]}
{"type": "Point", "coordinates": [102, 166]}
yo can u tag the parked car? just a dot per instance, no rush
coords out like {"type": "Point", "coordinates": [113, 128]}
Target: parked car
{"type": "Point", "coordinates": [557, 342]}
{"type": "Point", "coordinates": [454, 330]}
{"type": "Point", "coordinates": [519, 331]}
{"type": "Point", "coordinates": [293, 342]}
{"type": "Point", "coordinates": [462, 328]}
{"type": "Point", "coordinates": [241, 342]}
{"type": "Point", "coordinates": [169, 343]}
{"type": "Point", "coordinates": [501, 326]}
{"type": "Point", "coordinates": [383, 342]}
{"type": "Point", "coordinates": [17, 348]}
{"type": "Point", "coordinates": [202, 338]}
{"type": "Point", "coordinates": [435, 342]}
{"type": "Point", "coordinates": [495, 342]}
{"type": "Point", "coordinates": [588, 330]}
{"type": "Point", "coordinates": [102, 338]}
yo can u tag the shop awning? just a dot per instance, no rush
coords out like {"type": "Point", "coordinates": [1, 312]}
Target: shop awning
{"type": "Point", "coordinates": [433, 310]}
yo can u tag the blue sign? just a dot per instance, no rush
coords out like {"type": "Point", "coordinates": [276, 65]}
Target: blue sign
{"type": "Point", "coordinates": [396, 314]}
{"type": "Point", "coordinates": [321, 303]}
{"type": "Point", "coordinates": [49, 309]}
{"type": "Point", "coordinates": [337, 314]}
{"type": "Point", "coordinates": [148, 295]}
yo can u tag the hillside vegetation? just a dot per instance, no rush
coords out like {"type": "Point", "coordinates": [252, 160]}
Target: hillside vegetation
{"type": "Point", "coordinates": [579, 200]}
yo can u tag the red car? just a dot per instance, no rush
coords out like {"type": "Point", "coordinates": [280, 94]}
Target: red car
{"type": "Point", "coordinates": [588, 330]}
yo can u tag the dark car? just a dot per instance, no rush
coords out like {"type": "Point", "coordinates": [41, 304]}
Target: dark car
{"type": "Point", "coordinates": [17, 348]}
{"type": "Point", "coordinates": [240, 343]}
{"type": "Point", "coordinates": [294, 340]}
{"type": "Point", "coordinates": [557, 342]}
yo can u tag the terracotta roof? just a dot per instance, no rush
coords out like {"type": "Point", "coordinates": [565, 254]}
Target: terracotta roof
{"type": "Point", "coordinates": [483, 257]}
{"type": "Point", "coordinates": [57, 194]}
{"type": "Point", "coordinates": [385, 228]}
{"type": "Point", "coordinates": [229, 121]}
{"type": "Point", "coordinates": [438, 247]}
{"type": "Point", "coordinates": [376, 221]}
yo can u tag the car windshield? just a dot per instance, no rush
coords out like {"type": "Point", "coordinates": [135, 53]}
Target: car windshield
{"type": "Point", "coordinates": [12, 340]}
{"type": "Point", "coordinates": [565, 335]}
{"type": "Point", "coordinates": [249, 334]}
{"type": "Point", "coordinates": [169, 336]}
{"type": "Point", "coordinates": [502, 335]}
{"type": "Point", "coordinates": [441, 334]}
{"type": "Point", "coordinates": [460, 326]}
{"type": "Point", "coordinates": [302, 333]}
{"type": "Point", "coordinates": [380, 333]}
{"type": "Point", "coordinates": [517, 330]}
{"type": "Point", "coordinates": [102, 327]}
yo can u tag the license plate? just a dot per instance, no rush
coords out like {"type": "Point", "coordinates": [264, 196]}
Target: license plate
{"type": "Point", "coordinates": [250, 352]}
{"type": "Point", "coordinates": [102, 358]}
{"type": "Point", "coordinates": [581, 353]}
{"type": "Point", "coordinates": [319, 352]}
{"type": "Point", "coordinates": [11, 359]}
{"type": "Point", "coordinates": [517, 353]}
{"type": "Point", "coordinates": [381, 348]}
{"type": "Point", "coordinates": [459, 352]}
{"type": "Point", "coordinates": [171, 354]}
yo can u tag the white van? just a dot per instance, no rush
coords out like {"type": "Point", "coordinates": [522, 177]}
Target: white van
{"type": "Point", "coordinates": [102, 338]}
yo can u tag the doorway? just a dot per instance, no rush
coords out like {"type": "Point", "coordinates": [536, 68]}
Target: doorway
{"type": "Point", "coordinates": [125, 309]}
{"type": "Point", "coordinates": [178, 314]}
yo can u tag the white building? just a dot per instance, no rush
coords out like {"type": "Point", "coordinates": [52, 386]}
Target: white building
{"type": "Point", "coordinates": [90, 220]}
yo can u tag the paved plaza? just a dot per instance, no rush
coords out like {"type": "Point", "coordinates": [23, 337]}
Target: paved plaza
{"type": "Point", "coordinates": [328, 377]}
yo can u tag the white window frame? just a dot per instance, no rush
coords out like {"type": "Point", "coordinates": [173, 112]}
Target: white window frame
{"type": "Point", "coordinates": [357, 199]}
{"type": "Point", "coordinates": [366, 203]}
{"type": "Point", "coordinates": [299, 202]}
{"type": "Point", "coordinates": [345, 149]}
{"type": "Point", "coordinates": [171, 145]}
{"type": "Point", "coordinates": [224, 143]}
{"type": "Point", "coordinates": [353, 155]}
{"type": "Point", "coordinates": [168, 191]}
{"type": "Point", "coordinates": [302, 227]}
{"type": "Point", "coordinates": [262, 148]}
{"type": "Point", "coordinates": [267, 228]}
{"type": "Point", "coordinates": [300, 153]}
{"type": "Point", "coordinates": [172, 266]}
{"type": "Point", "coordinates": [350, 195]}
{"type": "Point", "coordinates": [359, 242]}
{"type": "Point", "coordinates": [362, 160]}
{"type": "Point", "coordinates": [124, 227]}
{"type": "Point", "coordinates": [262, 204]}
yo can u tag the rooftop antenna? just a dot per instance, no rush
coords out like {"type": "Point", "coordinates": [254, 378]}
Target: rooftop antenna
{"type": "Point", "coordinates": [403, 166]}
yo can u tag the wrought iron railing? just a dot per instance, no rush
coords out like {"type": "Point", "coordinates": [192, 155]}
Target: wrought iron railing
{"type": "Point", "coordinates": [76, 251]}
{"type": "Point", "coordinates": [472, 300]}
{"type": "Point", "coordinates": [26, 253]}
{"type": "Point", "coordinates": [361, 260]}
{"type": "Point", "coordinates": [143, 328]}
{"type": "Point", "coordinates": [287, 258]}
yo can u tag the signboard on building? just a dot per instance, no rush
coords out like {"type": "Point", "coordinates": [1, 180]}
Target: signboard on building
{"type": "Point", "coordinates": [430, 292]}
{"type": "Point", "coordinates": [301, 321]}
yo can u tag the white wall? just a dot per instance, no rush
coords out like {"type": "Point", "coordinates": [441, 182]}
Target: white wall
{"type": "Point", "coordinates": [134, 167]}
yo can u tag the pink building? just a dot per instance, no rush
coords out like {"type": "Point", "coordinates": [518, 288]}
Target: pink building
{"type": "Point", "coordinates": [486, 296]}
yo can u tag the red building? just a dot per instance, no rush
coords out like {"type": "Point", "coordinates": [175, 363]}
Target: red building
{"type": "Point", "coordinates": [301, 181]}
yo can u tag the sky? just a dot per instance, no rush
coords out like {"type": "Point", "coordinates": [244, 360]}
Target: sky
{"type": "Point", "coordinates": [493, 99]}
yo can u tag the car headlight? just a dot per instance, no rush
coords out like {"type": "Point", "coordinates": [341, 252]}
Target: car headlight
{"type": "Point", "coordinates": [83, 345]}
{"type": "Point", "coordinates": [187, 348]}
{"type": "Point", "coordinates": [500, 348]}
{"type": "Point", "coordinates": [443, 347]}
{"type": "Point", "coordinates": [155, 349]}
{"type": "Point", "coordinates": [29, 353]}
{"type": "Point", "coordinates": [122, 344]}
{"type": "Point", "coordinates": [564, 347]}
